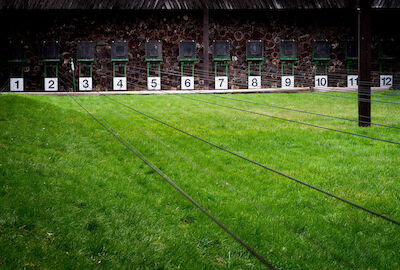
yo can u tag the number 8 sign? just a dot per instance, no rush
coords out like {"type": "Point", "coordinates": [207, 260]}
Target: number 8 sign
{"type": "Point", "coordinates": [254, 82]}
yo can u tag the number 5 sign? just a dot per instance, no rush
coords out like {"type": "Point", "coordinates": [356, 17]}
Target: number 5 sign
{"type": "Point", "coordinates": [119, 83]}
{"type": "Point", "coordinates": [187, 83]}
{"type": "Point", "coordinates": [153, 83]}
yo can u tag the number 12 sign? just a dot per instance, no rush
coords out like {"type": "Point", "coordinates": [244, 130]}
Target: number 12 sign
{"type": "Point", "coordinates": [386, 80]}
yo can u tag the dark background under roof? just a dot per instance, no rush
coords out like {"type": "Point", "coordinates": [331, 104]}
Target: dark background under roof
{"type": "Point", "coordinates": [190, 4]}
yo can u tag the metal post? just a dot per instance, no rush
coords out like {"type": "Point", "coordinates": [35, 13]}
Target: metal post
{"type": "Point", "coordinates": [205, 49]}
{"type": "Point", "coordinates": [364, 64]}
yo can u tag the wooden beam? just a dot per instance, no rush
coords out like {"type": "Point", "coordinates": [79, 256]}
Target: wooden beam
{"type": "Point", "coordinates": [364, 63]}
{"type": "Point", "coordinates": [206, 38]}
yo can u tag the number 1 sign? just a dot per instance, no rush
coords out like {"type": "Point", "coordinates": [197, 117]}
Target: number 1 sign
{"type": "Point", "coordinates": [221, 82]}
{"type": "Point", "coordinates": [119, 83]}
{"type": "Point", "coordinates": [187, 83]}
{"type": "Point", "coordinates": [287, 82]}
{"type": "Point", "coordinates": [16, 84]}
{"type": "Point", "coordinates": [50, 84]}
{"type": "Point", "coordinates": [85, 84]}
{"type": "Point", "coordinates": [254, 82]}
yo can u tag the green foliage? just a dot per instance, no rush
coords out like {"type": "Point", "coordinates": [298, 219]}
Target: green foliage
{"type": "Point", "coordinates": [73, 197]}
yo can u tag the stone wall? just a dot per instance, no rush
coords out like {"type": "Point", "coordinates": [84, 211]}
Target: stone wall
{"type": "Point", "coordinates": [236, 26]}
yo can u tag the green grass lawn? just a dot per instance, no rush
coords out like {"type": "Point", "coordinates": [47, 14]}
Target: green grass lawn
{"type": "Point", "coordinates": [73, 197]}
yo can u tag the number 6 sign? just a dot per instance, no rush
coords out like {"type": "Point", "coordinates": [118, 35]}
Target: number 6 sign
{"type": "Point", "coordinates": [187, 83]}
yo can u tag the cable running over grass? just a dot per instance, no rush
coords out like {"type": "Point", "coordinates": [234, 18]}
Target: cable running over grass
{"type": "Point", "coordinates": [259, 164]}
{"type": "Point", "coordinates": [240, 193]}
{"type": "Point", "coordinates": [302, 111]}
{"type": "Point", "coordinates": [293, 121]}
{"type": "Point", "coordinates": [131, 148]}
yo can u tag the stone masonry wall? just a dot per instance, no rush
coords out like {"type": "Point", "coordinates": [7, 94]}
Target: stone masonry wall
{"type": "Point", "coordinates": [170, 26]}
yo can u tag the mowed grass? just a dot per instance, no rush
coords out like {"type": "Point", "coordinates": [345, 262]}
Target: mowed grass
{"type": "Point", "coordinates": [72, 196]}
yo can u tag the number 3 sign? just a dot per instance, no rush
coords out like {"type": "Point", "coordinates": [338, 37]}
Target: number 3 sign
{"type": "Point", "coordinates": [85, 84]}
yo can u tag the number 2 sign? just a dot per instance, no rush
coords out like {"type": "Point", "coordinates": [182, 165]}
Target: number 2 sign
{"type": "Point", "coordinates": [50, 84]}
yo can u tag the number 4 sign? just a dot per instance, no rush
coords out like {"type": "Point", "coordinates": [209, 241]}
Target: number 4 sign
{"type": "Point", "coordinates": [119, 83]}
{"type": "Point", "coordinates": [187, 83]}
{"type": "Point", "coordinates": [221, 82]}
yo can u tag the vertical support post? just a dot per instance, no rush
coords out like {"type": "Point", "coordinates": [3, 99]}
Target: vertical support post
{"type": "Point", "coordinates": [206, 39]}
{"type": "Point", "coordinates": [364, 64]}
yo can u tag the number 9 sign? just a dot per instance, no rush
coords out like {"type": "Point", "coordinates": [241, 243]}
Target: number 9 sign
{"type": "Point", "coordinates": [287, 82]}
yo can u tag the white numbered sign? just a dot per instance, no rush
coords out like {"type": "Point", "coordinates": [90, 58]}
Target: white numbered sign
{"type": "Point", "coordinates": [119, 83]}
{"type": "Point", "coordinates": [221, 82]}
{"type": "Point", "coordinates": [85, 84]}
{"type": "Point", "coordinates": [287, 81]}
{"type": "Point", "coordinates": [50, 84]}
{"type": "Point", "coordinates": [352, 81]}
{"type": "Point", "coordinates": [321, 81]}
{"type": "Point", "coordinates": [386, 81]}
{"type": "Point", "coordinates": [187, 83]}
{"type": "Point", "coordinates": [153, 83]}
{"type": "Point", "coordinates": [254, 82]}
{"type": "Point", "coordinates": [16, 84]}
